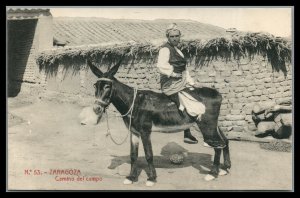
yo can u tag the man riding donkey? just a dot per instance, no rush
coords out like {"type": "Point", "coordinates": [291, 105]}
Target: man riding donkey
{"type": "Point", "coordinates": [146, 111]}
{"type": "Point", "coordinates": [176, 81]}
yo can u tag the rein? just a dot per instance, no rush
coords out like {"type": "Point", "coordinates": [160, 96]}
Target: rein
{"type": "Point", "coordinates": [129, 127]}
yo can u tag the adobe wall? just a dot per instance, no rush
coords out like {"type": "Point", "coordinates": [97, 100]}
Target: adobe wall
{"type": "Point", "coordinates": [240, 85]}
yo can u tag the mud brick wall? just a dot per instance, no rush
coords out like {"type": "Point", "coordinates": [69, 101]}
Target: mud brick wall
{"type": "Point", "coordinates": [241, 85]}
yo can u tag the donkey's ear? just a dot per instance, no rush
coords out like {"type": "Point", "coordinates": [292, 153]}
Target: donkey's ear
{"type": "Point", "coordinates": [115, 68]}
{"type": "Point", "coordinates": [94, 69]}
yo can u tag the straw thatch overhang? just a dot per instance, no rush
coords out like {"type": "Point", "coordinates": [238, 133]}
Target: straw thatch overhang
{"type": "Point", "coordinates": [276, 50]}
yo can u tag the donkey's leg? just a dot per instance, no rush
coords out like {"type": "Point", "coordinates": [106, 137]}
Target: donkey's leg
{"type": "Point", "coordinates": [134, 148]}
{"type": "Point", "coordinates": [226, 154]}
{"type": "Point", "coordinates": [149, 157]}
{"type": "Point", "coordinates": [216, 164]}
{"type": "Point", "coordinates": [211, 135]}
{"type": "Point", "coordinates": [227, 162]}
{"type": "Point", "coordinates": [209, 129]}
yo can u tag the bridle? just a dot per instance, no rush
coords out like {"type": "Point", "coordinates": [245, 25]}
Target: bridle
{"type": "Point", "coordinates": [105, 105]}
{"type": "Point", "coordinates": [100, 102]}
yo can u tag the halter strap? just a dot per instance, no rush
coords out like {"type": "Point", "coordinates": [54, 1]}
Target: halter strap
{"type": "Point", "coordinates": [105, 79]}
{"type": "Point", "coordinates": [111, 93]}
{"type": "Point", "coordinates": [130, 120]}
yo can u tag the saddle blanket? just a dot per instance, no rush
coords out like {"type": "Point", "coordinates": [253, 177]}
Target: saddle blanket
{"type": "Point", "coordinates": [192, 106]}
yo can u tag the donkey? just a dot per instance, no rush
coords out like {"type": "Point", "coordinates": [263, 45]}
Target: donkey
{"type": "Point", "coordinates": [155, 112]}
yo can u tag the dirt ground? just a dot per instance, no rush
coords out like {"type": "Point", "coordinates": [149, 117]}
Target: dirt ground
{"type": "Point", "coordinates": [44, 135]}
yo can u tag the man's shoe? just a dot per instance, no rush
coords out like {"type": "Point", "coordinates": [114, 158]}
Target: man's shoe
{"type": "Point", "coordinates": [190, 140]}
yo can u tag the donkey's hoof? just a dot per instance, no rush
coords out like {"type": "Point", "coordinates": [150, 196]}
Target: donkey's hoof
{"type": "Point", "coordinates": [209, 177]}
{"type": "Point", "coordinates": [150, 183]}
{"type": "Point", "coordinates": [127, 182]}
{"type": "Point", "coordinates": [223, 172]}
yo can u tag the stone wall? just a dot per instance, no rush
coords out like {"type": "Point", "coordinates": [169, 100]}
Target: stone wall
{"type": "Point", "coordinates": [241, 85]}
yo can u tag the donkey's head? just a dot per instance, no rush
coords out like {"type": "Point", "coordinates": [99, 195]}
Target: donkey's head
{"type": "Point", "coordinates": [104, 87]}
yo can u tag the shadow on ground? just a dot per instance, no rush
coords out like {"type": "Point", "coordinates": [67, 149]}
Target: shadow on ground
{"type": "Point", "coordinates": [200, 161]}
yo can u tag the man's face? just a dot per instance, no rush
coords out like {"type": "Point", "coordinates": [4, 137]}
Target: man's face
{"type": "Point", "coordinates": [174, 37]}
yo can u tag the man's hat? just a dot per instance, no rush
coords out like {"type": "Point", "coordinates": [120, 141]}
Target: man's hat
{"type": "Point", "coordinates": [172, 27]}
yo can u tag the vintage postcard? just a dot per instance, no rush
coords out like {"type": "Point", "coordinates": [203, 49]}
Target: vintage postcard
{"type": "Point", "coordinates": [150, 98]}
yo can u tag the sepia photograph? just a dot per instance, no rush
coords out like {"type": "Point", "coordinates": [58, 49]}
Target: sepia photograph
{"type": "Point", "coordinates": [152, 98]}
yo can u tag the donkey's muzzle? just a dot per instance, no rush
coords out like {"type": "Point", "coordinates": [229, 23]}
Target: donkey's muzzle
{"type": "Point", "coordinates": [98, 109]}
{"type": "Point", "coordinates": [101, 103]}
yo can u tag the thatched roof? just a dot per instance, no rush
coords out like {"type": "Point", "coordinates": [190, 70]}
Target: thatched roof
{"type": "Point", "coordinates": [277, 50]}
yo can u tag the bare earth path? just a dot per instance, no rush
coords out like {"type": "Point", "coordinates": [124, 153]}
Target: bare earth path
{"type": "Point", "coordinates": [47, 135]}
